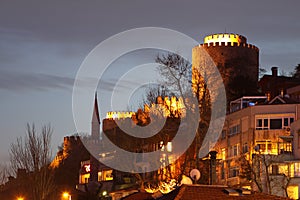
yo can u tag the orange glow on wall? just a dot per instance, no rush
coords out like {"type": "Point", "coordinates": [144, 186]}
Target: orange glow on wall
{"type": "Point", "coordinates": [165, 106]}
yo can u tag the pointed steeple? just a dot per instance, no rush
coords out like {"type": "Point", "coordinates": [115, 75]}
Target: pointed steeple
{"type": "Point", "coordinates": [95, 120]}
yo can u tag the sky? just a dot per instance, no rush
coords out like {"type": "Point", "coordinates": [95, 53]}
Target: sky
{"type": "Point", "coordinates": [43, 44]}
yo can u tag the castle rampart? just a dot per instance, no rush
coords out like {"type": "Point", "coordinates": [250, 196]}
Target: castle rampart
{"type": "Point", "coordinates": [234, 57]}
{"type": "Point", "coordinates": [119, 115]}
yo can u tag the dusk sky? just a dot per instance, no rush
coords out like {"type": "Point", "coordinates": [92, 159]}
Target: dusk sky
{"type": "Point", "coordinates": [43, 43]}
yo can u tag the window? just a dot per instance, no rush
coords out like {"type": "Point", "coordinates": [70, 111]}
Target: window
{"type": "Point", "coordinates": [223, 170]}
{"type": "Point", "coordinates": [233, 150]}
{"type": "Point", "coordinates": [285, 147]}
{"type": "Point", "coordinates": [234, 130]}
{"type": "Point", "coordinates": [245, 148]}
{"type": "Point", "coordinates": [297, 170]}
{"type": "Point", "coordinates": [223, 153]}
{"type": "Point", "coordinates": [223, 134]}
{"type": "Point", "coordinates": [267, 147]}
{"type": "Point", "coordinates": [262, 124]}
{"type": "Point", "coordinates": [84, 178]}
{"type": "Point", "coordinates": [275, 169]}
{"type": "Point", "coordinates": [293, 191]}
{"type": "Point", "coordinates": [283, 169]}
{"type": "Point", "coordinates": [105, 175]}
{"type": "Point", "coordinates": [286, 121]}
{"type": "Point", "coordinates": [273, 123]}
{"type": "Point", "coordinates": [233, 172]}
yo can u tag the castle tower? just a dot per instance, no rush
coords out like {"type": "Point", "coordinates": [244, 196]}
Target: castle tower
{"type": "Point", "coordinates": [236, 60]}
{"type": "Point", "coordinates": [95, 121]}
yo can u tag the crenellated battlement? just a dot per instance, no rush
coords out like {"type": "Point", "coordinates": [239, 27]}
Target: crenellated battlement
{"type": "Point", "coordinates": [70, 143]}
{"type": "Point", "coordinates": [119, 115]}
{"type": "Point", "coordinates": [230, 44]}
{"type": "Point", "coordinates": [72, 139]}
{"type": "Point", "coordinates": [225, 37]}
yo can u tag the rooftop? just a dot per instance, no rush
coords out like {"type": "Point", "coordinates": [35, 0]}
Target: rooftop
{"type": "Point", "coordinates": [205, 192]}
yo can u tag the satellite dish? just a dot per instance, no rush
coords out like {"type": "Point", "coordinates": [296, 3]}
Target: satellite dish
{"type": "Point", "coordinates": [195, 174]}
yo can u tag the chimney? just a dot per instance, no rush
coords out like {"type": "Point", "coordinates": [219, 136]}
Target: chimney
{"type": "Point", "coordinates": [274, 71]}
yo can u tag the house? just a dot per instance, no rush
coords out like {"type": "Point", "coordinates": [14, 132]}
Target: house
{"type": "Point", "coordinates": [273, 85]}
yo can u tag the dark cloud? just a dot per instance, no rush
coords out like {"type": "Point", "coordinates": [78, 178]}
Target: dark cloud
{"type": "Point", "coordinates": [107, 84]}
{"type": "Point", "coordinates": [16, 81]}
{"type": "Point", "coordinates": [87, 23]}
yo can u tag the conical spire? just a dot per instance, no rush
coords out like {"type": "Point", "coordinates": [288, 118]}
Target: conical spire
{"type": "Point", "coordinates": [95, 120]}
{"type": "Point", "coordinates": [96, 117]}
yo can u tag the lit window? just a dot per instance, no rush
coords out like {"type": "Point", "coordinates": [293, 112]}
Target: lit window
{"type": "Point", "coordinates": [108, 175]}
{"type": "Point", "coordinates": [293, 191]}
{"type": "Point", "coordinates": [84, 178]}
{"type": "Point", "coordinates": [169, 147]}
{"type": "Point", "coordinates": [223, 153]}
{"type": "Point", "coordinates": [297, 170]}
{"type": "Point", "coordinates": [283, 169]}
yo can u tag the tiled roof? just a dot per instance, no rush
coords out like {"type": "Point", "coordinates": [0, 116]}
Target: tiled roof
{"type": "Point", "coordinates": [204, 192]}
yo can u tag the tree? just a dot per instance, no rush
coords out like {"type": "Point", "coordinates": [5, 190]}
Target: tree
{"type": "Point", "coordinates": [261, 72]}
{"type": "Point", "coordinates": [152, 93]}
{"type": "Point", "coordinates": [4, 173]}
{"type": "Point", "coordinates": [176, 72]}
{"type": "Point", "coordinates": [258, 170]}
{"type": "Point", "coordinates": [296, 73]}
{"type": "Point", "coordinates": [33, 154]}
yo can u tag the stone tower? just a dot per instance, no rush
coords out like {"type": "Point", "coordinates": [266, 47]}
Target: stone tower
{"type": "Point", "coordinates": [237, 62]}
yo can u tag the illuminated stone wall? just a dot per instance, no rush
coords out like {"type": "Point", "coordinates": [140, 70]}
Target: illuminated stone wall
{"type": "Point", "coordinates": [234, 58]}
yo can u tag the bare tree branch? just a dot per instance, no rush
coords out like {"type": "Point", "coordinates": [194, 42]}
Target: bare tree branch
{"type": "Point", "coordinates": [33, 153]}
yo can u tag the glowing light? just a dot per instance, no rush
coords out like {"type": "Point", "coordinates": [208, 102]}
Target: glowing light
{"type": "Point", "coordinates": [163, 187]}
{"type": "Point", "coordinates": [226, 37]}
{"type": "Point", "coordinates": [151, 189]}
{"type": "Point", "coordinates": [168, 107]}
{"type": "Point", "coordinates": [293, 191]}
{"type": "Point", "coordinates": [87, 168]}
{"type": "Point", "coordinates": [169, 147]}
{"type": "Point", "coordinates": [66, 195]}
{"type": "Point", "coordinates": [20, 198]}
{"type": "Point", "coordinates": [104, 193]}
{"type": "Point", "coordinates": [119, 115]}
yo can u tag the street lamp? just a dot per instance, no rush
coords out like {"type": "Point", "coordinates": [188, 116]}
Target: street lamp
{"type": "Point", "coordinates": [66, 196]}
